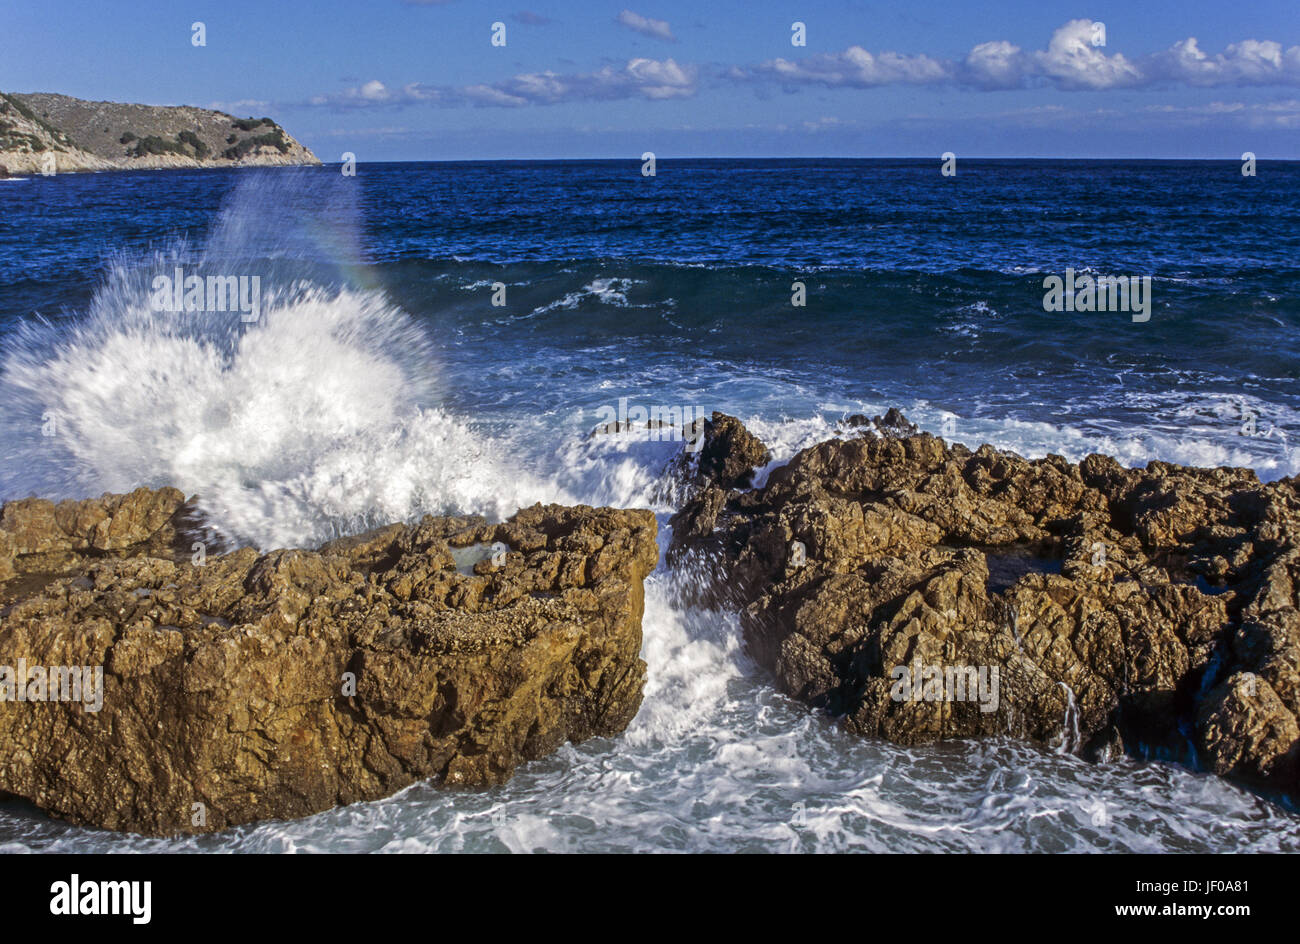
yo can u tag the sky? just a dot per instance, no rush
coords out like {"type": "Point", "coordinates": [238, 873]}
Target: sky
{"type": "Point", "coordinates": [391, 80]}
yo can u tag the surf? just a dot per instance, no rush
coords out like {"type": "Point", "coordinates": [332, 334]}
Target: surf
{"type": "Point", "coordinates": [320, 418]}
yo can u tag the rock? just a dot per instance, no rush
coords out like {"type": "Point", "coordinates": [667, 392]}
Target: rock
{"type": "Point", "coordinates": [893, 423]}
{"type": "Point", "coordinates": [4, 172]}
{"type": "Point", "coordinates": [725, 460]}
{"type": "Point", "coordinates": [730, 453]}
{"type": "Point", "coordinates": [884, 578]}
{"type": "Point", "coordinates": [41, 540]}
{"type": "Point", "coordinates": [1246, 729]}
{"type": "Point", "coordinates": [283, 684]}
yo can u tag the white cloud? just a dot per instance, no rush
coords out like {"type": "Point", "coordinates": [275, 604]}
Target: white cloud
{"type": "Point", "coordinates": [647, 78]}
{"type": "Point", "coordinates": [855, 67]}
{"type": "Point", "coordinates": [1070, 62]}
{"type": "Point", "coordinates": [659, 29]}
{"type": "Point", "coordinates": [1250, 62]}
{"type": "Point", "coordinates": [661, 79]}
{"type": "Point", "coordinates": [824, 123]}
{"type": "Point", "coordinates": [997, 64]}
{"type": "Point", "coordinates": [644, 78]}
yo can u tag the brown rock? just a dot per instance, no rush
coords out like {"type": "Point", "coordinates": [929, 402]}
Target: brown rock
{"type": "Point", "coordinates": [282, 684]}
{"type": "Point", "coordinates": [878, 576]}
{"type": "Point", "coordinates": [730, 453]}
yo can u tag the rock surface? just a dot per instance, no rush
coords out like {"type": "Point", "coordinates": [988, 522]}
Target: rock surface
{"type": "Point", "coordinates": [81, 135]}
{"type": "Point", "coordinates": [245, 686]}
{"type": "Point", "coordinates": [1140, 609]}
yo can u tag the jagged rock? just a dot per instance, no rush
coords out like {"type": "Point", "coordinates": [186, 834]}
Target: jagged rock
{"type": "Point", "coordinates": [41, 540]}
{"type": "Point", "coordinates": [730, 453]}
{"type": "Point", "coordinates": [1114, 607]}
{"type": "Point", "coordinates": [893, 423]}
{"type": "Point", "coordinates": [282, 684]}
{"type": "Point", "coordinates": [725, 460]}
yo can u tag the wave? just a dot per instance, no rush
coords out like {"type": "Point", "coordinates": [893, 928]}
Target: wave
{"type": "Point", "coordinates": [318, 419]}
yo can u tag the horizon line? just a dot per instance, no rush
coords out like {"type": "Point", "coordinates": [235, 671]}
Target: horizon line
{"type": "Point", "coordinates": [727, 157]}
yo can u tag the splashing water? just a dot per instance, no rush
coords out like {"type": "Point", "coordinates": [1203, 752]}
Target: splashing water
{"type": "Point", "coordinates": [1069, 739]}
{"type": "Point", "coordinates": [316, 420]}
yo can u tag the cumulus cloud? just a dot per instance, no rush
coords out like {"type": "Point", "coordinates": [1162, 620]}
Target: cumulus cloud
{"type": "Point", "coordinates": [659, 29]}
{"type": "Point", "coordinates": [1070, 62]}
{"type": "Point", "coordinates": [374, 93]}
{"type": "Point", "coordinates": [994, 65]}
{"type": "Point", "coordinates": [856, 67]}
{"type": "Point", "coordinates": [653, 79]}
{"type": "Point", "coordinates": [1251, 62]}
{"type": "Point", "coordinates": [648, 78]}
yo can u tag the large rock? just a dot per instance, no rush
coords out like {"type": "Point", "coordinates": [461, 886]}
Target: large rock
{"type": "Point", "coordinates": [1087, 606]}
{"type": "Point", "coordinates": [243, 686]}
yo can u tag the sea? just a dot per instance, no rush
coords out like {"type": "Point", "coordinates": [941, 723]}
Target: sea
{"type": "Point", "coordinates": [442, 337]}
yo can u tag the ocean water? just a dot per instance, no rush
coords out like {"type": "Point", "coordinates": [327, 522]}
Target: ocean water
{"type": "Point", "coordinates": [380, 382]}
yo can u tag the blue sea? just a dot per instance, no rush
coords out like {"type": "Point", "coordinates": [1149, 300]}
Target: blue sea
{"type": "Point", "coordinates": [441, 337]}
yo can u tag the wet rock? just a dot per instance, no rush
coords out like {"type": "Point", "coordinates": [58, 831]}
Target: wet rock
{"type": "Point", "coordinates": [919, 591]}
{"type": "Point", "coordinates": [730, 453]}
{"type": "Point", "coordinates": [282, 684]}
{"type": "Point", "coordinates": [893, 423]}
{"type": "Point", "coordinates": [725, 460]}
{"type": "Point", "coordinates": [40, 539]}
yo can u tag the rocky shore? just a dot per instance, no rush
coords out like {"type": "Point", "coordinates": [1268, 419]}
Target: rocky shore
{"type": "Point", "coordinates": [913, 589]}
{"type": "Point", "coordinates": [47, 133]}
{"type": "Point", "coordinates": [241, 686]}
{"type": "Point", "coordinates": [1090, 607]}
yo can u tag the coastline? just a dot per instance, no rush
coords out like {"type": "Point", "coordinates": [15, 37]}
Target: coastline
{"type": "Point", "coordinates": [46, 134]}
{"type": "Point", "coordinates": [875, 522]}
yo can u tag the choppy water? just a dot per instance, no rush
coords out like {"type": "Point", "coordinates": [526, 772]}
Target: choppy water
{"type": "Point", "coordinates": [380, 383]}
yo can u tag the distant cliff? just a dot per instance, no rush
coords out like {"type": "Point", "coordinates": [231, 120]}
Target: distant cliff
{"type": "Point", "coordinates": [87, 136]}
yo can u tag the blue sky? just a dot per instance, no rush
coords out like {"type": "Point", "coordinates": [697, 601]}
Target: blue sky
{"type": "Point", "coordinates": [405, 80]}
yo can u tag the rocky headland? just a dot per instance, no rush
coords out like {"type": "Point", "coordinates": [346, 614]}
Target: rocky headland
{"type": "Point", "coordinates": [74, 135]}
{"type": "Point", "coordinates": [241, 686]}
{"type": "Point", "coordinates": [919, 590]}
